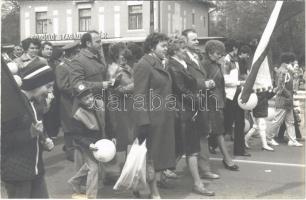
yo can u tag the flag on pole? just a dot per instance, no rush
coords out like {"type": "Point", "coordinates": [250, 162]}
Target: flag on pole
{"type": "Point", "coordinates": [260, 77]}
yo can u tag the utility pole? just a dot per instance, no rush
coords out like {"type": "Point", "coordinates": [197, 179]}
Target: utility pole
{"type": "Point", "coordinates": [158, 7]}
{"type": "Point", "coordinates": [151, 16]}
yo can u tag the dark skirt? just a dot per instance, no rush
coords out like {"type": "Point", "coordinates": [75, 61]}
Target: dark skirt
{"type": "Point", "coordinates": [122, 127]}
{"type": "Point", "coordinates": [187, 137]}
{"type": "Point", "coordinates": [216, 122]}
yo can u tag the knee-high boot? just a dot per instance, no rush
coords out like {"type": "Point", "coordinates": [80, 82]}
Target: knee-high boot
{"type": "Point", "coordinates": [264, 143]}
{"type": "Point", "coordinates": [262, 132]}
{"type": "Point", "coordinates": [248, 136]}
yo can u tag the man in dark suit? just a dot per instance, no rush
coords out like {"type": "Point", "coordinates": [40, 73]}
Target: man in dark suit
{"type": "Point", "coordinates": [62, 74]}
{"type": "Point", "coordinates": [193, 60]}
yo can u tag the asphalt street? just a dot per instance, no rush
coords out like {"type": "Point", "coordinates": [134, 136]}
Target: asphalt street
{"type": "Point", "coordinates": [264, 175]}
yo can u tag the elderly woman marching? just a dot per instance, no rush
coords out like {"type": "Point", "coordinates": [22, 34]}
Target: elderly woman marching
{"type": "Point", "coordinates": [154, 122]}
{"type": "Point", "coordinates": [185, 90]}
{"type": "Point", "coordinates": [216, 98]}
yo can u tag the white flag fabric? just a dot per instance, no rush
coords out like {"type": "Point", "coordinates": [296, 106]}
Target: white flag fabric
{"type": "Point", "coordinates": [265, 38]}
{"type": "Point", "coordinates": [260, 77]}
{"type": "Point", "coordinates": [263, 79]}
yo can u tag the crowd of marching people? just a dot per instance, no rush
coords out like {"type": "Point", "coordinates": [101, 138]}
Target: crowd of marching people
{"type": "Point", "coordinates": [179, 97]}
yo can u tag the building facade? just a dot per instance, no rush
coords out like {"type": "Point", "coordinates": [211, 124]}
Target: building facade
{"type": "Point", "coordinates": [59, 21]}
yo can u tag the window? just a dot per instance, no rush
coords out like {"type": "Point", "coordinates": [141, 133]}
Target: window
{"type": "Point", "coordinates": [41, 22]}
{"type": "Point", "coordinates": [135, 17]}
{"type": "Point", "coordinates": [193, 19]}
{"type": "Point", "coordinates": [84, 19]}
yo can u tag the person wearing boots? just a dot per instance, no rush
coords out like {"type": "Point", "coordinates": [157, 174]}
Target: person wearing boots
{"type": "Point", "coordinates": [263, 89]}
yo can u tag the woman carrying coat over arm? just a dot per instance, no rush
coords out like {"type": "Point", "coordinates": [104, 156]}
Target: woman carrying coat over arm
{"type": "Point", "coordinates": [154, 120]}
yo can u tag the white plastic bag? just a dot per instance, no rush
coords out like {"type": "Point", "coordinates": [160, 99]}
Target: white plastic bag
{"type": "Point", "coordinates": [133, 175]}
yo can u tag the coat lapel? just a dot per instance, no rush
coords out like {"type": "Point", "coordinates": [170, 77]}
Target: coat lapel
{"type": "Point", "coordinates": [156, 64]}
{"type": "Point", "coordinates": [194, 65]}
{"type": "Point", "coordinates": [180, 66]}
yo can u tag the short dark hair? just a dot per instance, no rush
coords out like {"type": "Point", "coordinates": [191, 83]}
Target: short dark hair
{"type": "Point", "coordinates": [287, 57]}
{"type": "Point", "coordinates": [186, 31]}
{"type": "Point", "coordinates": [152, 40]}
{"type": "Point", "coordinates": [116, 49]}
{"type": "Point", "coordinates": [175, 44]}
{"type": "Point", "coordinates": [136, 49]}
{"type": "Point", "coordinates": [87, 38]}
{"type": "Point", "coordinates": [230, 44]}
{"type": "Point", "coordinates": [46, 44]}
{"type": "Point", "coordinates": [245, 49]}
{"type": "Point", "coordinates": [212, 46]}
{"type": "Point", "coordinates": [26, 43]}
{"type": "Point", "coordinates": [57, 53]}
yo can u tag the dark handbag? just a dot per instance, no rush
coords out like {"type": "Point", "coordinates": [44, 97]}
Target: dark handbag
{"type": "Point", "coordinates": [87, 118]}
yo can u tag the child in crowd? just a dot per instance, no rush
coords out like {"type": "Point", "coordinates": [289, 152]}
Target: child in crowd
{"type": "Point", "coordinates": [88, 118]}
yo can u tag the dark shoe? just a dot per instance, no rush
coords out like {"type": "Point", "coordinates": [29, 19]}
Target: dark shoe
{"type": "Point", "coordinates": [70, 158]}
{"type": "Point", "coordinates": [137, 194]}
{"type": "Point", "coordinates": [212, 150]}
{"type": "Point", "coordinates": [202, 191]}
{"type": "Point", "coordinates": [70, 155]}
{"type": "Point", "coordinates": [209, 175]}
{"type": "Point", "coordinates": [243, 154]}
{"type": "Point", "coordinates": [281, 140]}
{"type": "Point", "coordinates": [165, 184]}
{"type": "Point", "coordinates": [232, 167]}
{"type": "Point", "coordinates": [110, 180]}
{"type": "Point", "coordinates": [300, 139]}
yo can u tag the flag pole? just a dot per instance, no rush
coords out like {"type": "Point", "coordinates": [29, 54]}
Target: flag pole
{"type": "Point", "coordinates": [261, 52]}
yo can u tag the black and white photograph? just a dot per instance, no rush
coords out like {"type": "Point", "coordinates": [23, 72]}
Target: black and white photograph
{"type": "Point", "coordinates": [153, 99]}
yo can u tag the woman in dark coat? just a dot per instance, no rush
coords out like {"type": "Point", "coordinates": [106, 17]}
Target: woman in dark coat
{"type": "Point", "coordinates": [120, 117]}
{"type": "Point", "coordinates": [154, 117]}
{"type": "Point", "coordinates": [185, 90]}
{"type": "Point", "coordinates": [216, 99]}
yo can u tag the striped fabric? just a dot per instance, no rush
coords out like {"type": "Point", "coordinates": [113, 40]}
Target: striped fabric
{"type": "Point", "coordinates": [259, 76]}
